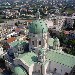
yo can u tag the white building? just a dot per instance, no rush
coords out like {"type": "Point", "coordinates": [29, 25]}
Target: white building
{"type": "Point", "coordinates": [56, 21]}
{"type": "Point", "coordinates": [42, 60]}
{"type": "Point", "coordinates": [11, 34]}
{"type": "Point", "coordinates": [49, 23]}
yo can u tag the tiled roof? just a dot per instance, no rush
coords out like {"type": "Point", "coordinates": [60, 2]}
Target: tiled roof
{"type": "Point", "coordinates": [16, 43]}
{"type": "Point", "coordinates": [28, 20]}
{"type": "Point", "coordinates": [62, 58]}
{"type": "Point", "coordinates": [29, 58]}
{"type": "Point", "coordinates": [10, 40]}
{"type": "Point", "coordinates": [56, 56]}
{"type": "Point", "coordinates": [19, 70]}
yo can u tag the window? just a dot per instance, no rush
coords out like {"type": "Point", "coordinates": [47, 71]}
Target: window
{"type": "Point", "coordinates": [32, 42]}
{"type": "Point", "coordinates": [39, 42]}
{"type": "Point", "coordinates": [66, 73]}
{"type": "Point", "coordinates": [55, 69]}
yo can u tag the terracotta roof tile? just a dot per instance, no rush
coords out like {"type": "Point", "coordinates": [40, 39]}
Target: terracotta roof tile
{"type": "Point", "coordinates": [66, 32]}
{"type": "Point", "coordinates": [17, 29]}
{"type": "Point", "coordinates": [28, 20]}
{"type": "Point", "coordinates": [9, 40]}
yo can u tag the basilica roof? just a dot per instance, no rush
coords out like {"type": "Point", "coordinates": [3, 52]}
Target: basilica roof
{"type": "Point", "coordinates": [16, 43]}
{"type": "Point", "coordinates": [38, 26]}
{"type": "Point", "coordinates": [52, 55]}
{"type": "Point", "coordinates": [29, 58]}
{"type": "Point", "coordinates": [61, 58]}
{"type": "Point", "coordinates": [55, 56]}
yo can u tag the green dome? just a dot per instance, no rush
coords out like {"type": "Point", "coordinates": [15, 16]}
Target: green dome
{"type": "Point", "coordinates": [20, 71]}
{"type": "Point", "coordinates": [56, 41]}
{"type": "Point", "coordinates": [38, 26]}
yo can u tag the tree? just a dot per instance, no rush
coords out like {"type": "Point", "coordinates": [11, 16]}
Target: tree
{"type": "Point", "coordinates": [72, 47]}
{"type": "Point", "coordinates": [16, 24]}
{"type": "Point", "coordinates": [1, 20]}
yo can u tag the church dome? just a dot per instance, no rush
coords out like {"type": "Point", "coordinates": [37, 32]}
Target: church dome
{"type": "Point", "coordinates": [38, 26]}
{"type": "Point", "coordinates": [20, 71]}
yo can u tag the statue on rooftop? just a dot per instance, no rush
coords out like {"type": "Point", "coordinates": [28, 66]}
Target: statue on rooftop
{"type": "Point", "coordinates": [56, 44]}
{"type": "Point", "coordinates": [38, 14]}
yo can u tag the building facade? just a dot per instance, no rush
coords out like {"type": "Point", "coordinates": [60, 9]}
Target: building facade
{"type": "Point", "coordinates": [42, 60]}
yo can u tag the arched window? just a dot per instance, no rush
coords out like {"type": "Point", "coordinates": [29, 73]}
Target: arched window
{"type": "Point", "coordinates": [32, 42]}
{"type": "Point", "coordinates": [66, 73]}
{"type": "Point", "coordinates": [55, 69]}
{"type": "Point", "coordinates": [39, 42]}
